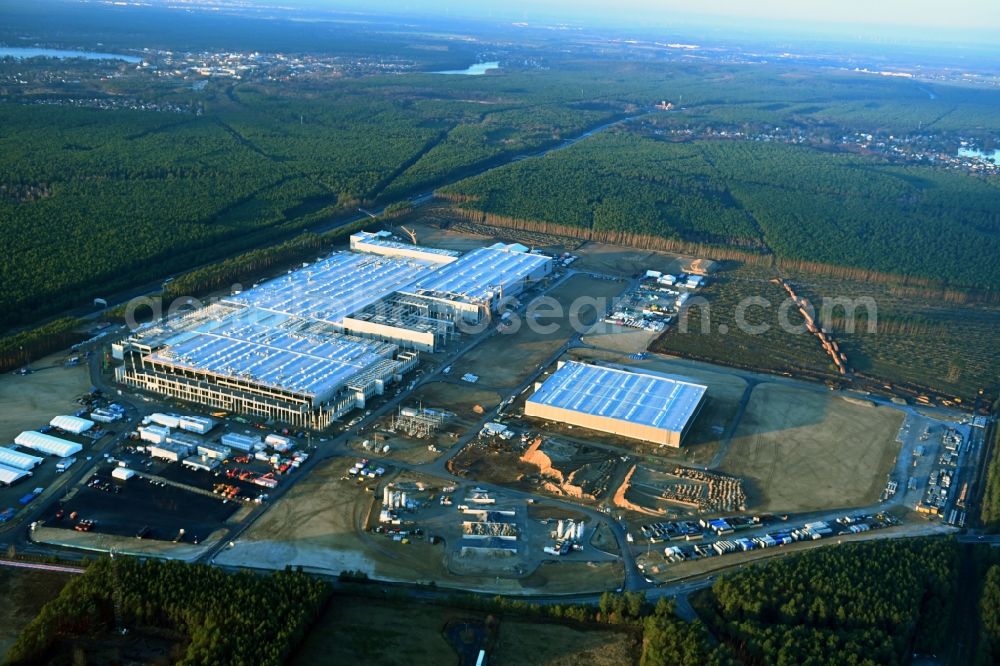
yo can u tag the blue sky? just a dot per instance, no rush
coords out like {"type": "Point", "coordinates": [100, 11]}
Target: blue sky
{"type": "Point", "coordinates": [848, 18]}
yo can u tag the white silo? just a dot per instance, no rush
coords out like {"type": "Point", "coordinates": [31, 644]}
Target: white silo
{"type": "Point", "coordinates": [560, 526]}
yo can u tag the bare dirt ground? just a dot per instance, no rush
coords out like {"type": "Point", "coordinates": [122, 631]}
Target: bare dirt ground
{"type": "Point", "coordinates": [30, 401]}
{"type": "Point", "coordinates": [801, 451]}
{"type": "Point", "coordinates": [425, 224]}
{"type": "Point", "coordinates": [321, 525]}
{"type": "Point", "coordinates": [24, 592]}
{"type": "Point", "coordinates": [543, 644]}
{"type": "Point", "coordinates": [617, 260]}
{"type": "Point", "coordinates": [455, 396]}
{"type": "Point", "coordinates": [506, 359]}
{"type": "Point", "coordinates": [620, 339]}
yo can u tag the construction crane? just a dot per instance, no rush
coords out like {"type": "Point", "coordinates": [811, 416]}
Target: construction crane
{"type": "Point", "coordinates": [412, 234]}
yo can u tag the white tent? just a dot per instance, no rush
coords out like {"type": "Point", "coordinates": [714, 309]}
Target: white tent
{"type": "Point", "coordinates": [73, 424]}
{"type": "Point", "coordinates": [9, 475]}
{"type": "Point", "coordinates": [47, 444]}
{"type": "Point", "coordinates": [12, 458]}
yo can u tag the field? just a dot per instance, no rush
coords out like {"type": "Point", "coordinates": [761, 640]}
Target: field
{"type": "Point", "coordinates": [24, 592]}
{"type": "Point", "coordinates": [30, 401]}
{"type": "Point", "coordinates": [544, 644]}
{"type": "Point", "coordinates": [803, 450]}
{"type": "Point", "coordinates": [925, 338]}
{"type": "Point", "coordinates": [355, 631]}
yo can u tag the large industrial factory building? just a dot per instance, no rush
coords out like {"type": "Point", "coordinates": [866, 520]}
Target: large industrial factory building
{"type": "Point", "coordinates": [648, 407]}
{"type": "Point", "coordinates": [312, 345]}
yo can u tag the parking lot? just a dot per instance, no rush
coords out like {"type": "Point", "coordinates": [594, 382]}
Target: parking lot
{"type": "Point", "coordinates": [125, 508]}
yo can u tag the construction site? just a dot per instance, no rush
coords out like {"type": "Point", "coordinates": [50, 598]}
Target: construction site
{"type": "Point", "coordinates": [407, 526]}
{"type": "Point", "coordinates": [309, 347]}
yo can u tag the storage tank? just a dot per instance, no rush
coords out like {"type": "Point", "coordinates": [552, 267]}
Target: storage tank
{"type": "Point", "coordinates": [560, 526]}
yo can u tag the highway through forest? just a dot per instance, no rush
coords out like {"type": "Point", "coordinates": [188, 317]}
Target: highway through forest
{"type": "Point", "coordinates": [154, 287]}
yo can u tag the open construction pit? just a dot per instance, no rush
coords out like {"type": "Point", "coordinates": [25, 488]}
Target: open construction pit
{"type": "Point", "coordinates": [547, 465]}
{"type": "Point", "coordinates": [678, 491]}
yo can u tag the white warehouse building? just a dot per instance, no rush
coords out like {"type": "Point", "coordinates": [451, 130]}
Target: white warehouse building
{"type": "Point", "coordinates": [12, 458]}
{"type": "Point", "coordinates": [47, 444]}
{"type": "Point", "coordinates": [11, 475]}
{"type": "Point", "coordinates": [73, 424]}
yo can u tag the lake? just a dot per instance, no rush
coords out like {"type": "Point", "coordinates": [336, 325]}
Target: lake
{"type": "Point", "coordinates": [478, 69]}
{"type": "Point", "coordinates": [969, 152]}
{"type": "Point", "coordinates": [14, 52]}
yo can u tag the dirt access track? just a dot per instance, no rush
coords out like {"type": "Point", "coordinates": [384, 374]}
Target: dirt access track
{"type": "Point", "coordinates": [805, 450]}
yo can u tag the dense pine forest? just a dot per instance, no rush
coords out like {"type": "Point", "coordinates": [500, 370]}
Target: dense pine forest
{"type": "Point", "coordinates": [862, 603]}
{"type": "Point", "coordinates": [805, 206]}
{"type": "Point", "coordinates": [96, 200]}
{"type": "Point", "coordinates": [213, 617]}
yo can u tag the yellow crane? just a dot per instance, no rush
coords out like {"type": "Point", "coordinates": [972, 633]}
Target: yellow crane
{"type": "Point", "coordinates": [412, 234]}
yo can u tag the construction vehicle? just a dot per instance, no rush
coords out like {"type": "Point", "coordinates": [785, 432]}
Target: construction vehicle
{"type": "Point", "coordinates": [412, 234]}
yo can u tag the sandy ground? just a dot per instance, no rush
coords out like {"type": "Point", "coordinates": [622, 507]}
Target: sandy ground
{"type": "Point", "coordinates": [455, 396]}
{"type": "Point", "coordinates": [318, 525]}
{"type": "Point", "coordinates": [539, 643]}
{"type": "Point", "coordinates": [803, 451]}
{"type": "Point", "coordinates": [617, 260]}
{"type": "Point", "coordinates": [505, 360]}
{"type": "Point", "coordinates": [29, 402]}
{"type": "Point", "coordinates": [620, 339]}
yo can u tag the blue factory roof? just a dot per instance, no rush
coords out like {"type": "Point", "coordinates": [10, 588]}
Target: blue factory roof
{"type": "Point", "coordinates": [480, 274]}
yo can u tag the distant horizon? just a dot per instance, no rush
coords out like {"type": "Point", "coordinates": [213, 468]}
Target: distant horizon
{"type": "Point", "coordinates": [887, 22]}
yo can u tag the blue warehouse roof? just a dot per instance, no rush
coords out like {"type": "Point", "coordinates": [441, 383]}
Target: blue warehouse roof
{"type": "Point", "coordinates": [650, 400]}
